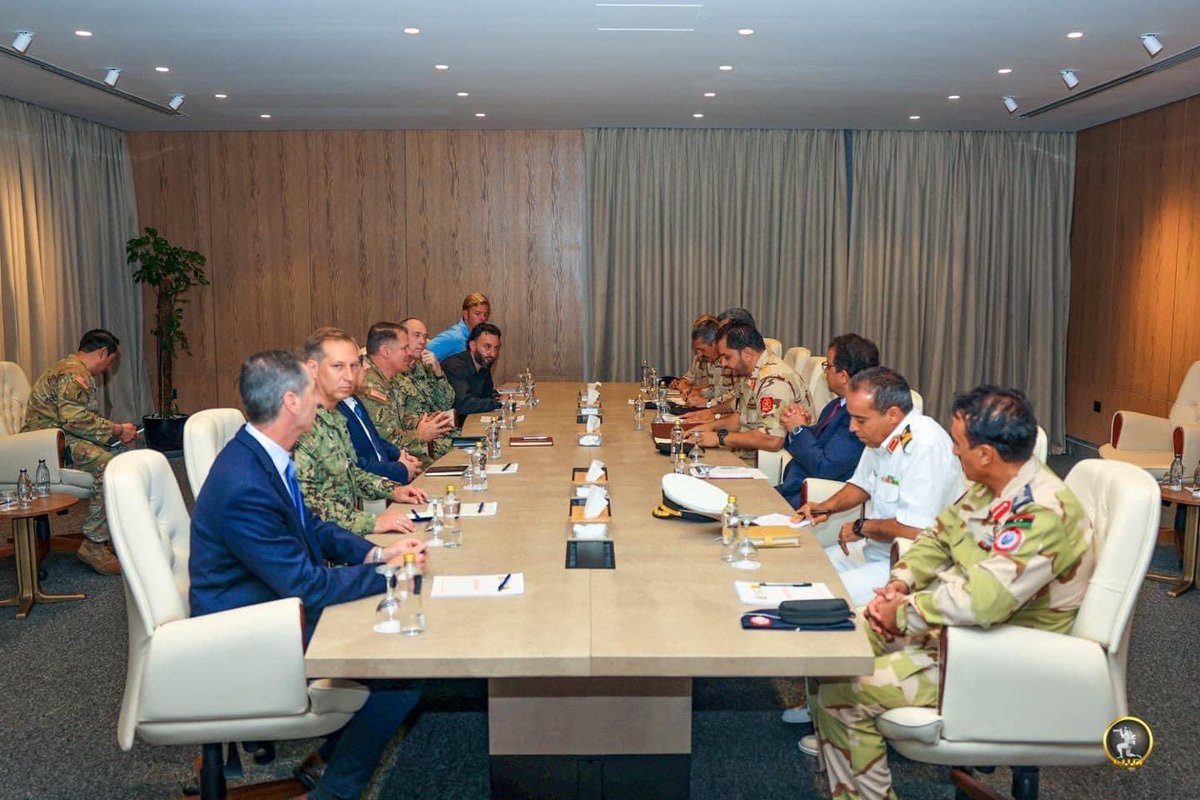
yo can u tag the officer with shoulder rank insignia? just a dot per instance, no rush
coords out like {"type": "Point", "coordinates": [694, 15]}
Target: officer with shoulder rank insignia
{"type": "Point", "coordinates": [706, 383]}
{"type": "Point", "coordinates": [64, 396]}
{"type": "Point", "coordinates": [424, 388]}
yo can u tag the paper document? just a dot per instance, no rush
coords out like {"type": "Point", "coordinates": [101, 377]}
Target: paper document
{"type": "Point", "coordinates": [772, 593]}
{"type": "Point", "coordinates": [478, 585]}
{"type": "Point", "coordinates": [503, 469]}
{"type": "Point", "coordinates": [487, 419]}
{"type": "Point", "coordinates": [478, 509]}
{"type": "Point", "coordinates": [735, 473]}
{"type": "Point", "coordinates": [780, 519]}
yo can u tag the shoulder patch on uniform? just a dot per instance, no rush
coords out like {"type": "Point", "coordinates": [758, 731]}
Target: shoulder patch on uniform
{"type": "Point", "coordinates": [766, 404]}
{"type": "Point", "coordinates": [1007, 540]}
{"type": "Point", "coordinates": [377, 395]}
{"type": "Point", "coordinates": [82, 381]}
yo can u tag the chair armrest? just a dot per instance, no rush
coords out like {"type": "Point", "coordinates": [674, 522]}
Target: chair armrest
{"type": "Point", "coordinates": [772, 462]}
{"type": "Point", "coordinates": [1189, 435]}
{"type": "Point", "coordinates": [24, 450]}
{"type": "Point", "coordinates": [1017, 684]}
{"type": "Point", "coordinates": [242, 663]}
{"type": "Point", "coordinates": [1132, 430]}
{"type": "Point", "coordinates": [817, 490]}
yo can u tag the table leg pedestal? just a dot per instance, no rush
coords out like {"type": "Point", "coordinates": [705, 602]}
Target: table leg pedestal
{"type": "Point", "coordinates": [28, 589]}
{"type": "Point", "coordinates": [590, 737]}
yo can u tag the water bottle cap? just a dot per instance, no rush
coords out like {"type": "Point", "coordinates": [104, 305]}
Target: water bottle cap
{"type": "Point", "coordinates": [410, 558]}
{"type": "Point", "coordinates": [732, 499]}
{"type": "Point", "coordinates": [450, 488]}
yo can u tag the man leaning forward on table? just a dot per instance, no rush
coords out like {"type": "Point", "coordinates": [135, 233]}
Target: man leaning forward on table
{"type": "Point", "coordinates": [326, 463]}
{"type": "Point", "coordinates": [254, 540]}
{"type": "Point", "coordinates": [1016, 549]}
{"type": "Point", "coordinates": [706, 383]}
{"type": "Point", "coordinates": [769, 386]}
{"type": "Point", "coordinates": [907, 471]}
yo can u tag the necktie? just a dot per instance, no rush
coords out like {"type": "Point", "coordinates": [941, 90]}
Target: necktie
{"type": "Point", "coordinates": [828, 415]}
{"type": "Point", "coordinates": [361, 413]}
{"type": "Point", "coordinates": [294, 490]}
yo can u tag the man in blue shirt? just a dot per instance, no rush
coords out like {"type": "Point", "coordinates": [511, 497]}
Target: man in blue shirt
{"type": "Point", "coordinates": [826, 449]}
{"type": "Point", "coordinates": [476, 308]}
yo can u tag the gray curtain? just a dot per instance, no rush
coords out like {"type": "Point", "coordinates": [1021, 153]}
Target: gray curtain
{"type": "Point", "coordinates": [683, 222]}
{"type": "Point", "coordinates": [959, 262]}
{"type": "Point", "coordinates": [67, 207]}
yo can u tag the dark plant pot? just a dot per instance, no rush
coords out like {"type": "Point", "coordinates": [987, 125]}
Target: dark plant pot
{"type": "Point", "coordinates": [164, 433]}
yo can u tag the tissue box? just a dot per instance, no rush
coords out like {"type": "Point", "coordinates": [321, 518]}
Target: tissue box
{"type": "Point", "coordinates": [585, 439]}
{"type": "Point", "coordinates": [583, 418]}
{"type": "Point", "coordinates": [579, 475]}
{"type": "Point", "coordinates": [575, 512]}
{"type": "Point", "coordinates": [581, 489]}
{"type": "Point", "coordinates": [589, 530]}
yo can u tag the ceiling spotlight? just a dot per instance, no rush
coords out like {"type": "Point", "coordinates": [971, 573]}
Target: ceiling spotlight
{"type": "Point", "coordinates": [84, 34]}
{"type": "Point", "coordinates": [710, 94]}
{"type": "Point", "coordinates": [914, 116]}
{"type": "Point", "coordinates": [1004, 71]}
{"type": "Point", "coordinates": [463, 94]}
{"type": "Point", "coordinates": [441, 66]}
{"type": "Point", "coordinates": [176, 101]}
{"type": "Point", "coordinates": [221, 96]}
{"type": "Point", "coordinates": [22, 41]}
{"type": "Point", "coordinates": [1075, 35]}
{"type": "Point", "coordinates": [745, 31]}
{"type": "Point", "coordinates": [480, 114]}
{"type": "Point", "coordinates": [953, 97]}
{"type": "Point", "coordinates": [726, 67]}
{"type": "Point", "coordinates": [1010, 103]}
{"type": "Point", "coordinates": [698, 116]}
{"type": "Point", "coordinates": [1069, 78]}
{"type": "Point", "coordinates": [162, 69]}
{"type": "Point", "coordinates": [412, 31]}
{"type": "Point", "coordinates": [112, 76]}
{"type": "Point", "coordinates": [265, 116]}
{"type": "Point", "coordinates": [1149, 41]}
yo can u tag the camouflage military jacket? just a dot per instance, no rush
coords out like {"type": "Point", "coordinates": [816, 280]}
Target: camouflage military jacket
{"type": "Point", "coordinates": [330, 478]}
{"type": "Point", "coordinates": [761, 398]}
{"type": "Point", "coordinates": [422, 392]}
{"type": "Point", "coordinates": [1022, 557]}
{"type": "Point", "coordinates": [706, 374]}
{"type": "Point", "coordinates": [65, 397]}
{"type": "Point", "coordinates": [384, 402]}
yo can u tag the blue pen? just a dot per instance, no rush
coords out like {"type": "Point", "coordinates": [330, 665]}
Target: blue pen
{"type": "Point", "coordinates": [504, 582]}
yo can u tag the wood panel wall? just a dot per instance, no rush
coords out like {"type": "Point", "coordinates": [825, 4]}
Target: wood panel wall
{"type": "Point", "coordinates": [1135, 266]}
{"type": "Point", "coordinates": [310, 228]}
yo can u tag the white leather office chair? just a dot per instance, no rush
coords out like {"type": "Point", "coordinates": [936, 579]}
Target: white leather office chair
{"type": "Point", "coordinates": [1071, 686]}
{"type": "Point", "coordinates": [774, 345]}
{"type": "Point", "coordinates": [236, 675]}
{"type": "Point", "coordinates": [205, 434]}
{"type": "Point", "coordinates": [797, 359]}
{"type": "Point", "coordinates": [818, 386]}
{"type": "Point", "coordinates": [22, 450]}
{"type": "Point", "coordinates": [1152, 442]}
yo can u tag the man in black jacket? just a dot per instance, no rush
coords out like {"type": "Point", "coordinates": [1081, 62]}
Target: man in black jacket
{"type": "Point", "coordinates": [470, 372]}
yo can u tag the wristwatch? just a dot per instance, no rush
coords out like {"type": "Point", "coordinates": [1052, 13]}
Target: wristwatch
{"type": "Point", "coordinates": [721, 432]}
{"type": "Point", "coordinates": [858, 526]}
{"type": "Point", "coordinates": [717, 415]}
{"type": "Point", "coordinates": [376, 554]}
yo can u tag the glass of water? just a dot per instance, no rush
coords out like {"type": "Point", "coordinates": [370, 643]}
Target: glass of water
{"type": "Point", "coordinates": [436, 522]}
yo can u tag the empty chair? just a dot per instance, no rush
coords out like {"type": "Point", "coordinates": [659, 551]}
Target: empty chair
{"type": "Point", "coordinates": [205, 434]}
{"type": "Point", "coordinates": [1152, 442]}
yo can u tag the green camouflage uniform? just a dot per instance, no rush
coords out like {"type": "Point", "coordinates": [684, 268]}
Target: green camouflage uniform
{"type": "Point", "coordinates": [1022, 558]}
{"type": "Point", "coordinates": [330, 478]}
{"type": "Point", "coordinates": [771, 386]}
{"type": "Point", "coordinates": [65, 397]}
{"type": "Point", "coordinates": [382, 398]}
{"type": "Point", "coordinates": [423, 392]}
{"type": "Point", "coordinates": [703, 375]}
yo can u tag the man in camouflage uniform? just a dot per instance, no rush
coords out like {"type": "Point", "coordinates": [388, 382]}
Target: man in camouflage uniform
{"type": "Point", "coordinates": [706, 383]}
{"type": "Point", "coordinates": [424, 389]}
{"type": "Point", "coordinates": [1016, 549]}
{"type": "Point", "coordinates": [64, 396]}
{"type": "Point", "coordinates": [388, 358]}
{"type": "Point", "coordinates": [769, 386]}
{"type": "Point", "coordinates": [326, 464]}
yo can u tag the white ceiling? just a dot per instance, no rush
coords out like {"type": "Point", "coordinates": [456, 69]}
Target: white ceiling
{"type": "Point", "coordinates": [543, 64]}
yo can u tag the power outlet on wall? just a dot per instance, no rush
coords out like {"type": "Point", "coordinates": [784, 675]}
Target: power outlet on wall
{"type": "Point", "coordinates": [1096, 406]}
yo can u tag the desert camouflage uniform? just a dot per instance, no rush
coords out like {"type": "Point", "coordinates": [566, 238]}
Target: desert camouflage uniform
{"type": "Point", "coordinates": [382, 398]}
{"type": "Point", "coordinates": [330, 478]}
{"type": "Point", "coordinates": [64, 396]}
{"type": "Point", "coordinates": [705, 375]}
{"type": "Point", "coordinates": [1023, 558]}
{"type": "Point", "coordinates": [771, 386]}
{"type": "Point", "coordinates": [423, 392]}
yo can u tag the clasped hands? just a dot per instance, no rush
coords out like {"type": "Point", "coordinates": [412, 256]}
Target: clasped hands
{"type": "Point", "coordinates": [435, 426]}
{"type": "Point", "coordinates": [793, 415]}
{"type": "Point", "coordinates": [880, 613]}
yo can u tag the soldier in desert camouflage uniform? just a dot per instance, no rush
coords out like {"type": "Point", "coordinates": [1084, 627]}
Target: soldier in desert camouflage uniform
{"type": "Point", "coordinates": [326, 465]}
{"type": "Point", "coordinates": [64, 396]}
{"type": "Point", "coordinates": [424, 389]}
{"type": "Point", "coordinates": [706, 383]}
{"type": "Point", "coordinates": [1015, 549]}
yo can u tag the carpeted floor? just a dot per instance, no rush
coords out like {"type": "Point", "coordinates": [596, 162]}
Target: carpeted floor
{"type": "Point", "coordinates": [63, 670]}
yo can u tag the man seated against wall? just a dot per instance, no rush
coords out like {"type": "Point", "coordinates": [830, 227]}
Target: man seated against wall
{"type": "Point", "coordinates": [706, 383]}
{"type": "Point", "coordinates": [424, 389]}
{"type": "Point", "coordinates": [1015, 549]}
{"type": "Point", "coordinates": [253, 541]}
{"type": "Point", "coordinates": [326, 464]}
{"type": "Point", "coordinates": [375, 454]}
{"type": "Point", "coordinates": [476, 308]}
{"type": "Point", "coordinates": [907, 470]}
{"type": "Point", "coordinates": [768, 386]}
{"type": "Point", "coordinates": [389, 357]}
{"type": "Point", "coordinates": [470, 372]}
{"type": "Point", "coordinates": [827, 448]}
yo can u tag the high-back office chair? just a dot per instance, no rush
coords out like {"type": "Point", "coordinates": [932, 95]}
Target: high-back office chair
{"type": "Point", "coordinates": [205, 434]}
{"type": "Point", "coordinates": [233, 676]}
{"type": "Point", "coordinates": [797, 358]}
{"type": "Point", "coordinates": [1152, 442]}
{"type": "Point", "coordinates": [774, 345]}
{"type": "Point", "coordinates": [22, 450]}
{"type": "Point", "coordinates": [1071, 685]}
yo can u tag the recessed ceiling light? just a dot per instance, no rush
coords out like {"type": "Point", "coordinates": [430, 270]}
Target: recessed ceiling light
{"type": "Point", "coordinates": [710, 94]}
{"type": "Point", "coordinates": [1004, 70]}
{"type": "Point", "coordinates": [441, 66]}
{"type": "Point", "coordinates": [265, 116]}
{"type": "Point", "coordinates": [953, 97]}
{"type": "Point", "coordinates": [914, 116]}
{"type": "Point", "coordinates": [1075, 35]}
{"type": "Point", "coordinates": [412, 31]}
{"type": "Point", "coordinates": [745, 31]}
{"type": "Point", "coordinates": [726, 68]}
{"type": "Point", "coordinates": [221, 96]}
{"type": "Point", "coordinates": [698, 116]}
{"type": "Point", "coordinates": [480, 114]}
{"type": "Point", "coordinates": [84, 34]}
{"type": "Point", "coordinates": [162, 69]}
{"type": "Point", "coordinates": [463, 94]}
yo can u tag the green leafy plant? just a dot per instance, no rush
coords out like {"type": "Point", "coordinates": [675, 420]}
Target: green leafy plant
{"type": "Point", "coordinates": [170, 271]}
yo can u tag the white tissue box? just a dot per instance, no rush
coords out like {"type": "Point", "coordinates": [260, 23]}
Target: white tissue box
{"type": "Point", "coordinates": [589, 530]}
{"type": "Point", "coordinates": [586, 439]}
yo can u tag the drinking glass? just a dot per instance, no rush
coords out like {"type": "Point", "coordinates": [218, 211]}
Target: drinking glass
{"type": "Point", "coordinates": [387, 613]}
{"type": "Point", "coordinates": [436, 522]}
{"type": "Point", "coordinates": [746, 551]}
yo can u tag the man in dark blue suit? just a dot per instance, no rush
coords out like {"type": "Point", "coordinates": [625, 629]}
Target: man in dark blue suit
{"type": "Point", "coordinates": [254, 541]}
{"type": "Point", "coordinates": [375, 454]}
{"type": "Point", "coordinates": [827, 449]}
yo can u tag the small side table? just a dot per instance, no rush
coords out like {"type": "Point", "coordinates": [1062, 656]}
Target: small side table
{"type": "Point", "coordinates": [1186, 579]}
{"type": "Point", "coordinates": [25, 543]}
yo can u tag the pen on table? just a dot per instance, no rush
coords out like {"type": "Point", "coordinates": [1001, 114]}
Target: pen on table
{"type": "Point", "coordinates": [797, 585]}
{"type": "Point", "coordinates": [506, 466]}
{"type": "Point", "coordinates": [504, 582]}
{"type": "Point", "coordinates": [480, 511]}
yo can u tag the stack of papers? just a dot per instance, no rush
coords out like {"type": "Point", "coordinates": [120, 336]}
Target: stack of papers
{"type": "Point", "coordinates": [478, 585]}
{"type": "Point", "coordinates": [772, 593]}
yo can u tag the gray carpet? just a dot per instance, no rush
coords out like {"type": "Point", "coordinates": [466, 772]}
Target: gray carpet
{"type": "Point", "coordinates": [63, 669]}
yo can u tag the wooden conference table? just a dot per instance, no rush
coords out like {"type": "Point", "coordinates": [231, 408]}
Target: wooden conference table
{"type": "Point", "coordinates": [589, 671]}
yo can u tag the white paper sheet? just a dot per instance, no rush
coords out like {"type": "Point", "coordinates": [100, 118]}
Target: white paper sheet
{"type": "Point", "coordinates": [594, 471]}
{"type": "Point", "coordinates": [772, 593]}
{"type": "Point", "coordinates": [478, 585]}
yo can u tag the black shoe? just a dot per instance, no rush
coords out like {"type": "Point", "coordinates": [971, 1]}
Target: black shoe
{"type": "Point", "coordinates": [310, 771]}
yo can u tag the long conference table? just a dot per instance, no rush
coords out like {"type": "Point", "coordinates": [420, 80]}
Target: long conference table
{"type": "Point", "coordinates": [590, 670]}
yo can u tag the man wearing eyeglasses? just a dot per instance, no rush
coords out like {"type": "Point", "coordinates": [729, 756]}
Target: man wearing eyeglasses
{"type": "Point", "coordinates": [826, 448]}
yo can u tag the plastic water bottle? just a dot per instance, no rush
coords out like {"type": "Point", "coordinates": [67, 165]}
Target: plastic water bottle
{"type": "Point", "coordinates": [730, 524]}
{"type": "Point", "coordinates": [42, 478]}
{"type": "Point", "coordinates": [1175, 476]}
{"type": "Point", "coordinates": [645, 375]}
{"type": "Point", "coordinates": [494, 440]}
{"type": "Point", "coordinates": [639, 413]}
{"type": "Point", "coordinates": [24, 489]}
{"type": "Point", "coordinates": [479, 481]}
{"type": "Point", "coordinates": [677, 441]}
{"type": "Point", "coordinates": [408, 594]}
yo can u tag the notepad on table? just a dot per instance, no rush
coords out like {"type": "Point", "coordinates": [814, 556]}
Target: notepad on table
{"type": "Point", "coordinates": [478, 509]}
{"type": "Point", "coordinates": [530, 441]}
{"type": "Point", "coordinates": [478, 585]}
{"type": "Point", "coordinates": [503, 469]}
{"type": "Point", "coordinates": [735, 473]}
{"type": "Point", "coordinates": [772, 593]}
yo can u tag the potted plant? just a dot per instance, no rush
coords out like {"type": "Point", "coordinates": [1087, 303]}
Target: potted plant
{"type": "Point", "coordinates": [170, 271]}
